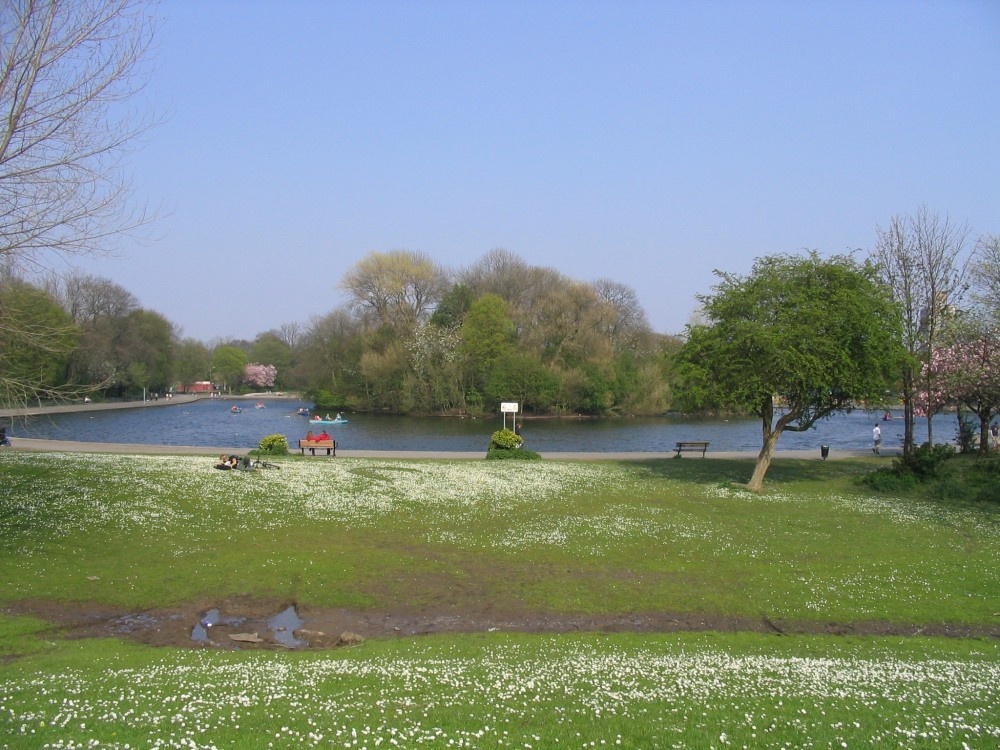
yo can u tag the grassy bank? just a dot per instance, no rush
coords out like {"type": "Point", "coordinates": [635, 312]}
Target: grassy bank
{"type": "Point", "coordinates": [593, 538]}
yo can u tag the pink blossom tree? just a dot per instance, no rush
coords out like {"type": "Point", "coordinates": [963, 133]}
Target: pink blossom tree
{"type": "Point", "coordinates": [967, 374]}
{"type": "Point", "coordinates": [261, 376]}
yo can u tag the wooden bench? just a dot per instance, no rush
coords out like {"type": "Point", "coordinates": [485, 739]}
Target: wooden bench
{"type": "Point", "coordinates": [312, 445]}
{"type": "Point", "coordinates": [691, 445]}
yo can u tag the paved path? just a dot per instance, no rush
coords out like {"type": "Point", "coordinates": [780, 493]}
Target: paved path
{"type": "Point", "coordinates": [32, 444]}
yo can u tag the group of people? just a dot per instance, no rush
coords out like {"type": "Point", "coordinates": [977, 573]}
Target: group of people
{"type": "Point", "coordinates": [227, 462]}
{"type": "Point", "coordinates": [324, 435]}
{"type": "Point", "coordinates": [326, 418]}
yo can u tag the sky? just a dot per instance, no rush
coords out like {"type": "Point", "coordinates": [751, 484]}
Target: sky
{"type": "Point", "coordinates": [650, 143]}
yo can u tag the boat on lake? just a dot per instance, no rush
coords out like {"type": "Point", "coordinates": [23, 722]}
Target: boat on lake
{"type": "Point", "coordinates": [338, 420]}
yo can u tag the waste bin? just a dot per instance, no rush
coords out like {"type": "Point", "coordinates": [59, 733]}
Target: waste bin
{"type": "Point", "coordinates": [824, 451]}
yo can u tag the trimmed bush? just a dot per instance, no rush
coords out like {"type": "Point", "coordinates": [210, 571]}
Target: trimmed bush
{"type": "Point", "coordinates": [274, 445]}
{"type": "Point", "coordinates": [516, 454]}
{"type": "Point", "coordinates": [506, 445]}
{"type": "Point", "coordinates": [506, 440]}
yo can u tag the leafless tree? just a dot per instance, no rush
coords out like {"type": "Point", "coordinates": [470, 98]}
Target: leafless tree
{"type": "Point", "coordinates": [290, 333]}
{"type": "Point", "coordinates": [986, 276]}
{"type": "Point", "coordinates": [629, 324]}
{"type": "Point", "coordinates": [67, 71]}
{"type": "Point", "coordinates": [923, 259]}
{"type": "Point", "coordinates": [87, 298]}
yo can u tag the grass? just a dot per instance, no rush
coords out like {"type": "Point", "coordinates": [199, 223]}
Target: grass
{"type": "Point", "coordinates": [553, 537]}
{"type": "Point", "coordinates": [504, 691]}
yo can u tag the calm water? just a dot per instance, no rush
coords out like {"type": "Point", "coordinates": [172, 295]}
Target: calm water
{"type": "Point", "coordinates": [210, 423]}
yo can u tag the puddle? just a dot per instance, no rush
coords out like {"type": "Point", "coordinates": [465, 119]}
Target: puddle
{"type": "Point", "coordinates": [210, 619]}
{"type": "Point", "coordinates": [284, 624]}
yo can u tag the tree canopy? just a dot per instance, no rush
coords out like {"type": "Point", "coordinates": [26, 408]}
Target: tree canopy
{"type": "Point", "coordinates": [808, 335]}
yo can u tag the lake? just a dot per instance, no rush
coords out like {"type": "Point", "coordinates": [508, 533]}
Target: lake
{"type": "Point", "coordinates": [209, 423]}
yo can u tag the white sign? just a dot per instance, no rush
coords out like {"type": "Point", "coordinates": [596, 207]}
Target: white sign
{"type": "Point", "coordinates": [509, 407]}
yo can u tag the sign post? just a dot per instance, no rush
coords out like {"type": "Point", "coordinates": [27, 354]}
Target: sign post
{"type": "Point", "coordinates": [509, 407]}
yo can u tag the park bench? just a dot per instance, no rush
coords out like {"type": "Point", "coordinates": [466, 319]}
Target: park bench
{"type": "Point", "coordinates": [691, 445]}
{"type": "Point", "coordinates": [312, 445]}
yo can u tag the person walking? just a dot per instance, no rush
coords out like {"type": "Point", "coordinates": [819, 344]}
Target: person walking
{"type": "Point", "coordinates": [876, 438]}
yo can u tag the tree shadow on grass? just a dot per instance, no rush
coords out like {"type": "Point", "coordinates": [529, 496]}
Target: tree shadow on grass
{"type": "Point", "coordinates": [739, 471]}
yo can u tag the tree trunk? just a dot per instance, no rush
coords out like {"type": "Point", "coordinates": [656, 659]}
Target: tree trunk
{"type": "Point", "coordinates": [908, 416]}
{"type": "Point", "coordinates": [756, 483]}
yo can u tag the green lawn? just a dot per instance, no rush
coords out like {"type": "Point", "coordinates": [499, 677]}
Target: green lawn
{"type": "Point", "coordinates": [553, 537]}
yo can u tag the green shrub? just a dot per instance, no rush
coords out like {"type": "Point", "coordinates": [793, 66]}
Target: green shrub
{"type": "Point", "coordinates": [516, 454]}
{"type": "Point", "coordinates": [506, 445]}
{"type": "Point", "coordinates": [506, 440]}
{"type": "Point", "coordinates": [924, 462]}
{"type": "Point", "coordinates": [274, 445]}
{"type": "Point", "coordinates": [889, 481]}
{"type": "Point", "coordinates": [922, 466]}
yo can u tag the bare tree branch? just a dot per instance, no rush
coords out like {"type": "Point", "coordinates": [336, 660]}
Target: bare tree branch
{"type": "Point", "coordinates": [67, 71]}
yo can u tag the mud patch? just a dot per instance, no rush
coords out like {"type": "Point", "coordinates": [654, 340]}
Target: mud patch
{"type": "Point", "coordinates": [283, 625]}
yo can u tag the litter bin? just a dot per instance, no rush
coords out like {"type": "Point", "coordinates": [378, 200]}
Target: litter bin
{"type": "Point", "coordinates": [824, 451]}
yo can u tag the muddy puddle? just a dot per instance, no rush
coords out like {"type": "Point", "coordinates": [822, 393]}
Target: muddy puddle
{"type": "Point", "coordinates": [215, 629]}
{"type": "Point", "coordinates": [283, 626]}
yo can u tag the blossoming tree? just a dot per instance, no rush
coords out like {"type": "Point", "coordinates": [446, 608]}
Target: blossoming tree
{"type": "Point", "coordinates": [260, 376]}
{"type": "Point", "coordinates": [967, 373]}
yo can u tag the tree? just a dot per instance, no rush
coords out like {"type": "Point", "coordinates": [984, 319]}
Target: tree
{"type": "Point", "coordinates": [66, 69]}
{"type": "Point", "coordinates": [89, 298]}
{"type": "Point", "coordinates": [147, 340]}
{"type": "Point", "coordinates": [920, 259]}
{"type": "Point", "coordinates": [985, 275]}
{"type": "Point", "coordinates": [36, 339]}
{"type": "Point", "coordinates": [227, 364]}
{"type": "Point", "coordinates": [628, 326]}
{"type": "Point", "coordinates": [817, 336]}
{"type": "Point", "coordinates": [271, 348]}
{"type": "Point", "coordinates": [436, 362]}
{"type": "Point", "coordinates": [398, 289]}
{"type": "Point", "coordinates": [191, 362]}
{"type": "Point", "coordinates": [967, 373]}
{"type": "Point", "coordinates": [258, 375]}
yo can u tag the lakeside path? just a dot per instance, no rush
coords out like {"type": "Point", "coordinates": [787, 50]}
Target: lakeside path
{"type": "Point", "coordinates": [73, 446]}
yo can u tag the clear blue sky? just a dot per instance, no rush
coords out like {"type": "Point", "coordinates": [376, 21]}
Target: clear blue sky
{"type": "Point", "coordinates": [646, 142]}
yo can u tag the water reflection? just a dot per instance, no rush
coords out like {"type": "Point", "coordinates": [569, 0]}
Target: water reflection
{"type": "Point", "coordinates": [210, 423]}
{"type": "Point", "coordinates": [284, 624]}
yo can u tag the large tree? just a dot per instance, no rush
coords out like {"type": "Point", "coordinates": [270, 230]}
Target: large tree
{"type": "Point", "coordinates": [967, 373]}
{"type": "Point", "coordinates": [67, 69]}
{"type": "Point", "coordinates": [397, 289]}
{"type": "Point", "coordinates": [228, 362]}
{"type": "Point", "coordinates": [795, 341]}
{"type": "Point", "coordinates": [923, 261]}
{"type": "Point", "coordinates": [36, 338]}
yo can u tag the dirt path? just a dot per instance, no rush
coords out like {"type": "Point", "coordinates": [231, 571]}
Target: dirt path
{"type": "Point", "coordinates": [312, 628]}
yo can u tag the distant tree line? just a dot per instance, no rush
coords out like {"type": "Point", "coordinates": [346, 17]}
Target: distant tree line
{"type": "Point", "coordinates": [413, 338]}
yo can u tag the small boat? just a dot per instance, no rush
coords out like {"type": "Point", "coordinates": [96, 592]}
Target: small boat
{"type": "Point", "coordinates": [234, 409]}
{"type": "Point", "coordinates": [338, 420]}
{"type": "Point", "coordinates": [260, 405]}
{"type": "Point", "coordinates": [303, 412]}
